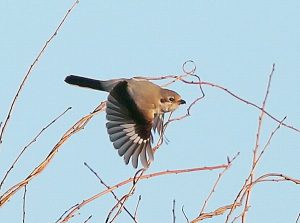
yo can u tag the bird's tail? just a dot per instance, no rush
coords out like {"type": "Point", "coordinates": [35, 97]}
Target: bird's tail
{"type": "Point", "coordinates": [92, 83]}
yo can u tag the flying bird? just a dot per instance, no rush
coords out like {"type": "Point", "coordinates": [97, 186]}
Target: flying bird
{"type": "Point", "coordinates": [134, 108]}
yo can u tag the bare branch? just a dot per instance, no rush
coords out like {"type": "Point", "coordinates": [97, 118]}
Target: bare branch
{"type": "Point", "coordinates": [75, 128]}
{"type": "Point", "coordinates": [113, 193]}
{"type": "Point", "coordinates": [173, 211]}
{"type": "Point", "coordinates": [29, 144]}
{"type": "Point", "coordinates": [88, 219]}
{"type": "Point", "coordinates": [298, 218]}
{"type": "Point", "coordinates": [217, 212]}
{"type": "Point", "coordinates": [201, 83]}
{"type": "Point", "coordinates": [216, 183]}
{"type": "Point", "coordinates": [162, 173]}
{"type": "Point", "coordinates": [65, 212]}
{"type": "Point", "coordinates": [24, 204]}
{"type": "Point", "coordinates": [276, 177]}
{"type": "Point", "coordinates": [186, 218]}
{"type": "Point", "coordinates": [255, 150]}
{"type": "Point", "coordinates": [32, 66]}
{"type": "Point", "coordinates": [136, 178]}
{"type": "Point", "coordinates": [137, 206]}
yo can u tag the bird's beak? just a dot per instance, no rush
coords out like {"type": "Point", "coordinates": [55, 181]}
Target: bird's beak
{"type": "Point", "coordinates": [181, 101]}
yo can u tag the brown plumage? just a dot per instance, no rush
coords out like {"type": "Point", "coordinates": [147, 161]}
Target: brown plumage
{"type": "Point", "coordinates": [134, 108]}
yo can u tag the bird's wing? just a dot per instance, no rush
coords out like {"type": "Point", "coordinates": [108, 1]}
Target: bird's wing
{"type": "Point", "coordinates": [158, 124]}
{"type": "Point", "coordinates": [129, 128]}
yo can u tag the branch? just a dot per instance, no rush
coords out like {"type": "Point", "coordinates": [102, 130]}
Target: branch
{"type": "Point", "coordinates": [137, 206]}
{"type": "Point", "coordinates": [185, 216]}
{"type": "Point", "coordinates": [32, 66]}
{"type": "Point", "coordinates": [218, 211]}
{"type": "Point", "coordinates": [24, 204]}
{"type": "Point", "coordinates": [132, 179]}
{"type": "Point", "coordinates": [88, 219]}
{"type": "Point", "coordinates": [173, 211]}
{"type": "Point", "coordinates": [255, 150]}
{"type": "Point", "coordinates": [272, 177]}
{"type": "Point", "coordinates": [75, 128]}
{"type": "Point", "coordinates": [113, 193]}
{"type": "Point", "coordinates": [29, 144]}
{"type": "Point", "coordinates": [298, 218]}
{"type": "Point", "coordinates": [181, 78]}
{"type": "Point", "coordinates": [216, 183]}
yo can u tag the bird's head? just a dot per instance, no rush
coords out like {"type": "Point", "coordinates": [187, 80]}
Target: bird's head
{"type": "Point", "coordinates": [170, 100]}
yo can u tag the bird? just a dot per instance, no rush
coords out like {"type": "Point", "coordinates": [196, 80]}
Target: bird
{"type": "Point", "coordinates": [135, 110]}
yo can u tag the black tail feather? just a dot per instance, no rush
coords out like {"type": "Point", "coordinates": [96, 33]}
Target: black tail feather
{"type": "Point", "coordinates": [84, 82]}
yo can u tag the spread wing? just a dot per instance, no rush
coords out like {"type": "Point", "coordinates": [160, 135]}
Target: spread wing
{"type": "Point", "coordinates": [128, 128]}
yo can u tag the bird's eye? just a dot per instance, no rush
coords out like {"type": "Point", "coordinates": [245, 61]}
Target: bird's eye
{"type": "Point", "coordinates": [171, 99]}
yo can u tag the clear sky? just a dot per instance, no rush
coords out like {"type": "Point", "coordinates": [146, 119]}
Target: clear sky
{"type": "Point", "coordinates": [233, 43]}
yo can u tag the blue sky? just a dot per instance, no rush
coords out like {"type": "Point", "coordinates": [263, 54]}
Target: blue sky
{"type": "Point", "coordinates": [233, 43]}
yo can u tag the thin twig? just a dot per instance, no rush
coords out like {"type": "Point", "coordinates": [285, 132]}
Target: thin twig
{"type": "Point", "coordinates": [268, 142]}
{"type": "Point", "coordinates": [186, 218]}
{"type": "Point", "coordinates": [245, 190]}
{"type": "Point", "coordinates": [29, 144]}
{"type": "Point", "coordinates": [33, 65]}
{"type": "Point", "coordinates": [148, 176]}
{"type": "Point", "coordinates": [24, 204]}
{"type": "Point", "coordinates": [137, 206]}
{"type": "Point", "coordinates": [173, 211]}
{"type": "Point", "coordinates": [136, 178]}
{"type": "Point", "coordinates": [113, 193]}
{"type": "Point", "coordinates": [246, 185]}
{"type": "Point", "coordinates": [298, 218]}
{"type": "Point", "coordinates": [75, 128]}
{"type": "Point", "coordinates": [237, 218]}
{"type": "Point", "coordinates": [113, 209]}
{"type": "Point", "coordinates": [178, 77]}
{"type": "Point", "coordinates": [88, 219]}
{"type": "Point", "coordinates": [216, 183]}
{"type": "Point", "coordinates": [271, 177]}
{"type": "Point", "coordinates": [214, 213]}
{"type": "Point", "coordinates": [65, 212]}
{"type": "Point", "coordinates": [255, 150]}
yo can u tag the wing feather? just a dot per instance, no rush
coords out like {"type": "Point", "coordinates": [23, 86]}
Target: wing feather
{"type": "Point", "coordinates": [128, 127]}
